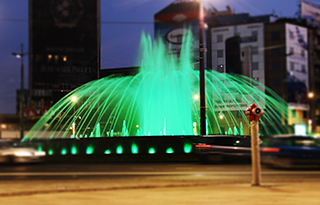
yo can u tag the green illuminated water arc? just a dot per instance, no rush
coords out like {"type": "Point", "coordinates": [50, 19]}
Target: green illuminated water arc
{"type": "Point", "coordinates": [161, 100]}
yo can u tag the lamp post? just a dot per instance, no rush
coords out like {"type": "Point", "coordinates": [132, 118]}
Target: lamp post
{"type": "Point", "coordinates": [201, 70]}
{"type": "Point", "coordinates": [20, 55]}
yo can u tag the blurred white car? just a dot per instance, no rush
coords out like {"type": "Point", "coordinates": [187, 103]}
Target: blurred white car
{"type": "Point", "coordinates": [17, 152]}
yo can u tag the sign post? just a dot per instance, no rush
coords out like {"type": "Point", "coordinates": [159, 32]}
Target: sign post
{"type": "Point", "coordinates": [253, 112]}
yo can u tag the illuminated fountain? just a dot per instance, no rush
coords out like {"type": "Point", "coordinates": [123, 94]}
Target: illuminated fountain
{"type": "Point", "coordinates": [160, 101]}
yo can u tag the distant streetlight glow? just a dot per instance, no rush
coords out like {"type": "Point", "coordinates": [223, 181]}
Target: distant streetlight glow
{"type": "Point", "coordinates": [310, 95]}
{"type": "Point", "coordinates": [74, 99]}
{"type": "Point", "coordinates": [221, 115]}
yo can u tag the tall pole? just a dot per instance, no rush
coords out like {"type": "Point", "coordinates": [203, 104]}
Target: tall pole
{"type": "Point", "coordinates": [22, 95]}
{"type": "Point", "coordinates": [255, 153]}
{"type": "Point", "coordinates": [20, 55]}
{"type": "Point", "coordinates": [201, 69]}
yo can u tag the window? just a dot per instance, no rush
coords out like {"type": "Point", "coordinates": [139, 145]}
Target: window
{"type": "Point", "coordinates": [255, 66]}
{"type": "Point", "coordinates": [220, 53]}
{"type": "Point", "coordinates": [293, 113]}
{"type": "Point", "coordinates": [56, 59]}
{"type": "Point", "coordinates": [276, 82]}
{"type": "Point", "coordinates": [291, 51]}
{"type": "Point", "coordinates": [304, 114]}
{"type": "Point", "coordinates": [303, 53]}
{"type": "Point", "coordinates": [255, 83]}
{"type": "Point", "coordinates": [276, 66]}
{"type": "Point", "coordinates": [254, 33]}
{"type": "Point", "coordinates": [276, 51]}
{"type": "Point", "coordinates": [219, 38]}
{"type": "Point", "coordinates": [292, 66]}
{"type": "Point", "coordinates": [220, 68]}
{"type": "Point", "coordinates": [275, 35]}
{"type": "Point", "coordinates": [254, 50]}
{"type": "Point", "coordinates": [303, 69]}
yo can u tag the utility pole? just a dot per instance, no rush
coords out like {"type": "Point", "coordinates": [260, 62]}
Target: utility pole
{"type": "Point", "coordinates": [20, 55]}
{"type": "Point", "coordinates": [201, 70]}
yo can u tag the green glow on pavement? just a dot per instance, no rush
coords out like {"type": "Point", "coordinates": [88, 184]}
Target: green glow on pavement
{"type": "Point", "coordinates": [187, 148]}
{"type": "Point", "coordinates": [119, 149]}
{"type": "Point", "coordinates": [152, 150]}
{"type": "Point", "coordinates": [50, 152]}
{"type": "Point", "coordinates": [169, 150]}
{"type": "Point", "coordinates": [89, 150]}
{"type": "Point", "coordinates": [74, 150]}
{"type": "Point", "coordinates": [64, 151]}
{"type": "Point", "coordinates": [134, 149]}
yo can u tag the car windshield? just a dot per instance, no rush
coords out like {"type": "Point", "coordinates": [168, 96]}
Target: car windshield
{"type": "Point", "coordinates": [227, 141]}
{"type": "Point", "coordinates": [5, 144]}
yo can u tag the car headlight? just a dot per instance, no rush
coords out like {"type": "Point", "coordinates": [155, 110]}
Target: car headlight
{"type": "Point", "coordinates": [23, 154]}
{"type": "Point", "coordinates": [40, 153]}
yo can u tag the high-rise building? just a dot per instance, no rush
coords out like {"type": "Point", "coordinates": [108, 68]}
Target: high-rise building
{"type": "Point", "coordinates": [64, 47]}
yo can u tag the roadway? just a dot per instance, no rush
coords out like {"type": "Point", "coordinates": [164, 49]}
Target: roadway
{"type": "Point", "coordinates": [154, 183]}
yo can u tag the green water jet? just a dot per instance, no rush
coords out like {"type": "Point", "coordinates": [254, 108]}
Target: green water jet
{"type": "Point", "coordinates": [160, 100]}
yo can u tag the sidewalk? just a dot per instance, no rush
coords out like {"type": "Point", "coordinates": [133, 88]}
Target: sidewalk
{"type": "Point", "coordinates": [159, 190]}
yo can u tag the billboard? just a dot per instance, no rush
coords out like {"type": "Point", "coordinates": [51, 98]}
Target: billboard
{"type": "Point", "coordinates": [297, 66]}
{"type": "Point", "coordinates": [177, 19]}
{"type": "Point", "coordinates": [311, 12]}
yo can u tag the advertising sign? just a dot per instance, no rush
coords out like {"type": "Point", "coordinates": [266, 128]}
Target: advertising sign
{"type": "Point", "coordinates": [311, 12]}
{"type": "Point", "coordinates": [177, 20]}
{"type": "Point", "coordinates": [297, 65]}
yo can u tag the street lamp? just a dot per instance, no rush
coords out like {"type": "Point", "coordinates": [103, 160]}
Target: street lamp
{"type": "Point", "coordinates": [20, 55]}
{"type": "Point", "coordinates": [201, 70]}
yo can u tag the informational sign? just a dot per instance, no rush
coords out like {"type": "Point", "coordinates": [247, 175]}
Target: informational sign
{"type": "Point", "coordinates": [297, 66]}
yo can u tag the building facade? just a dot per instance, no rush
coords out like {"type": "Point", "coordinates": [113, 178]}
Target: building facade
{"type": "Point", "coordinates": [64, 48]}
{"type": "Point", "coordinates": [282, 54]}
